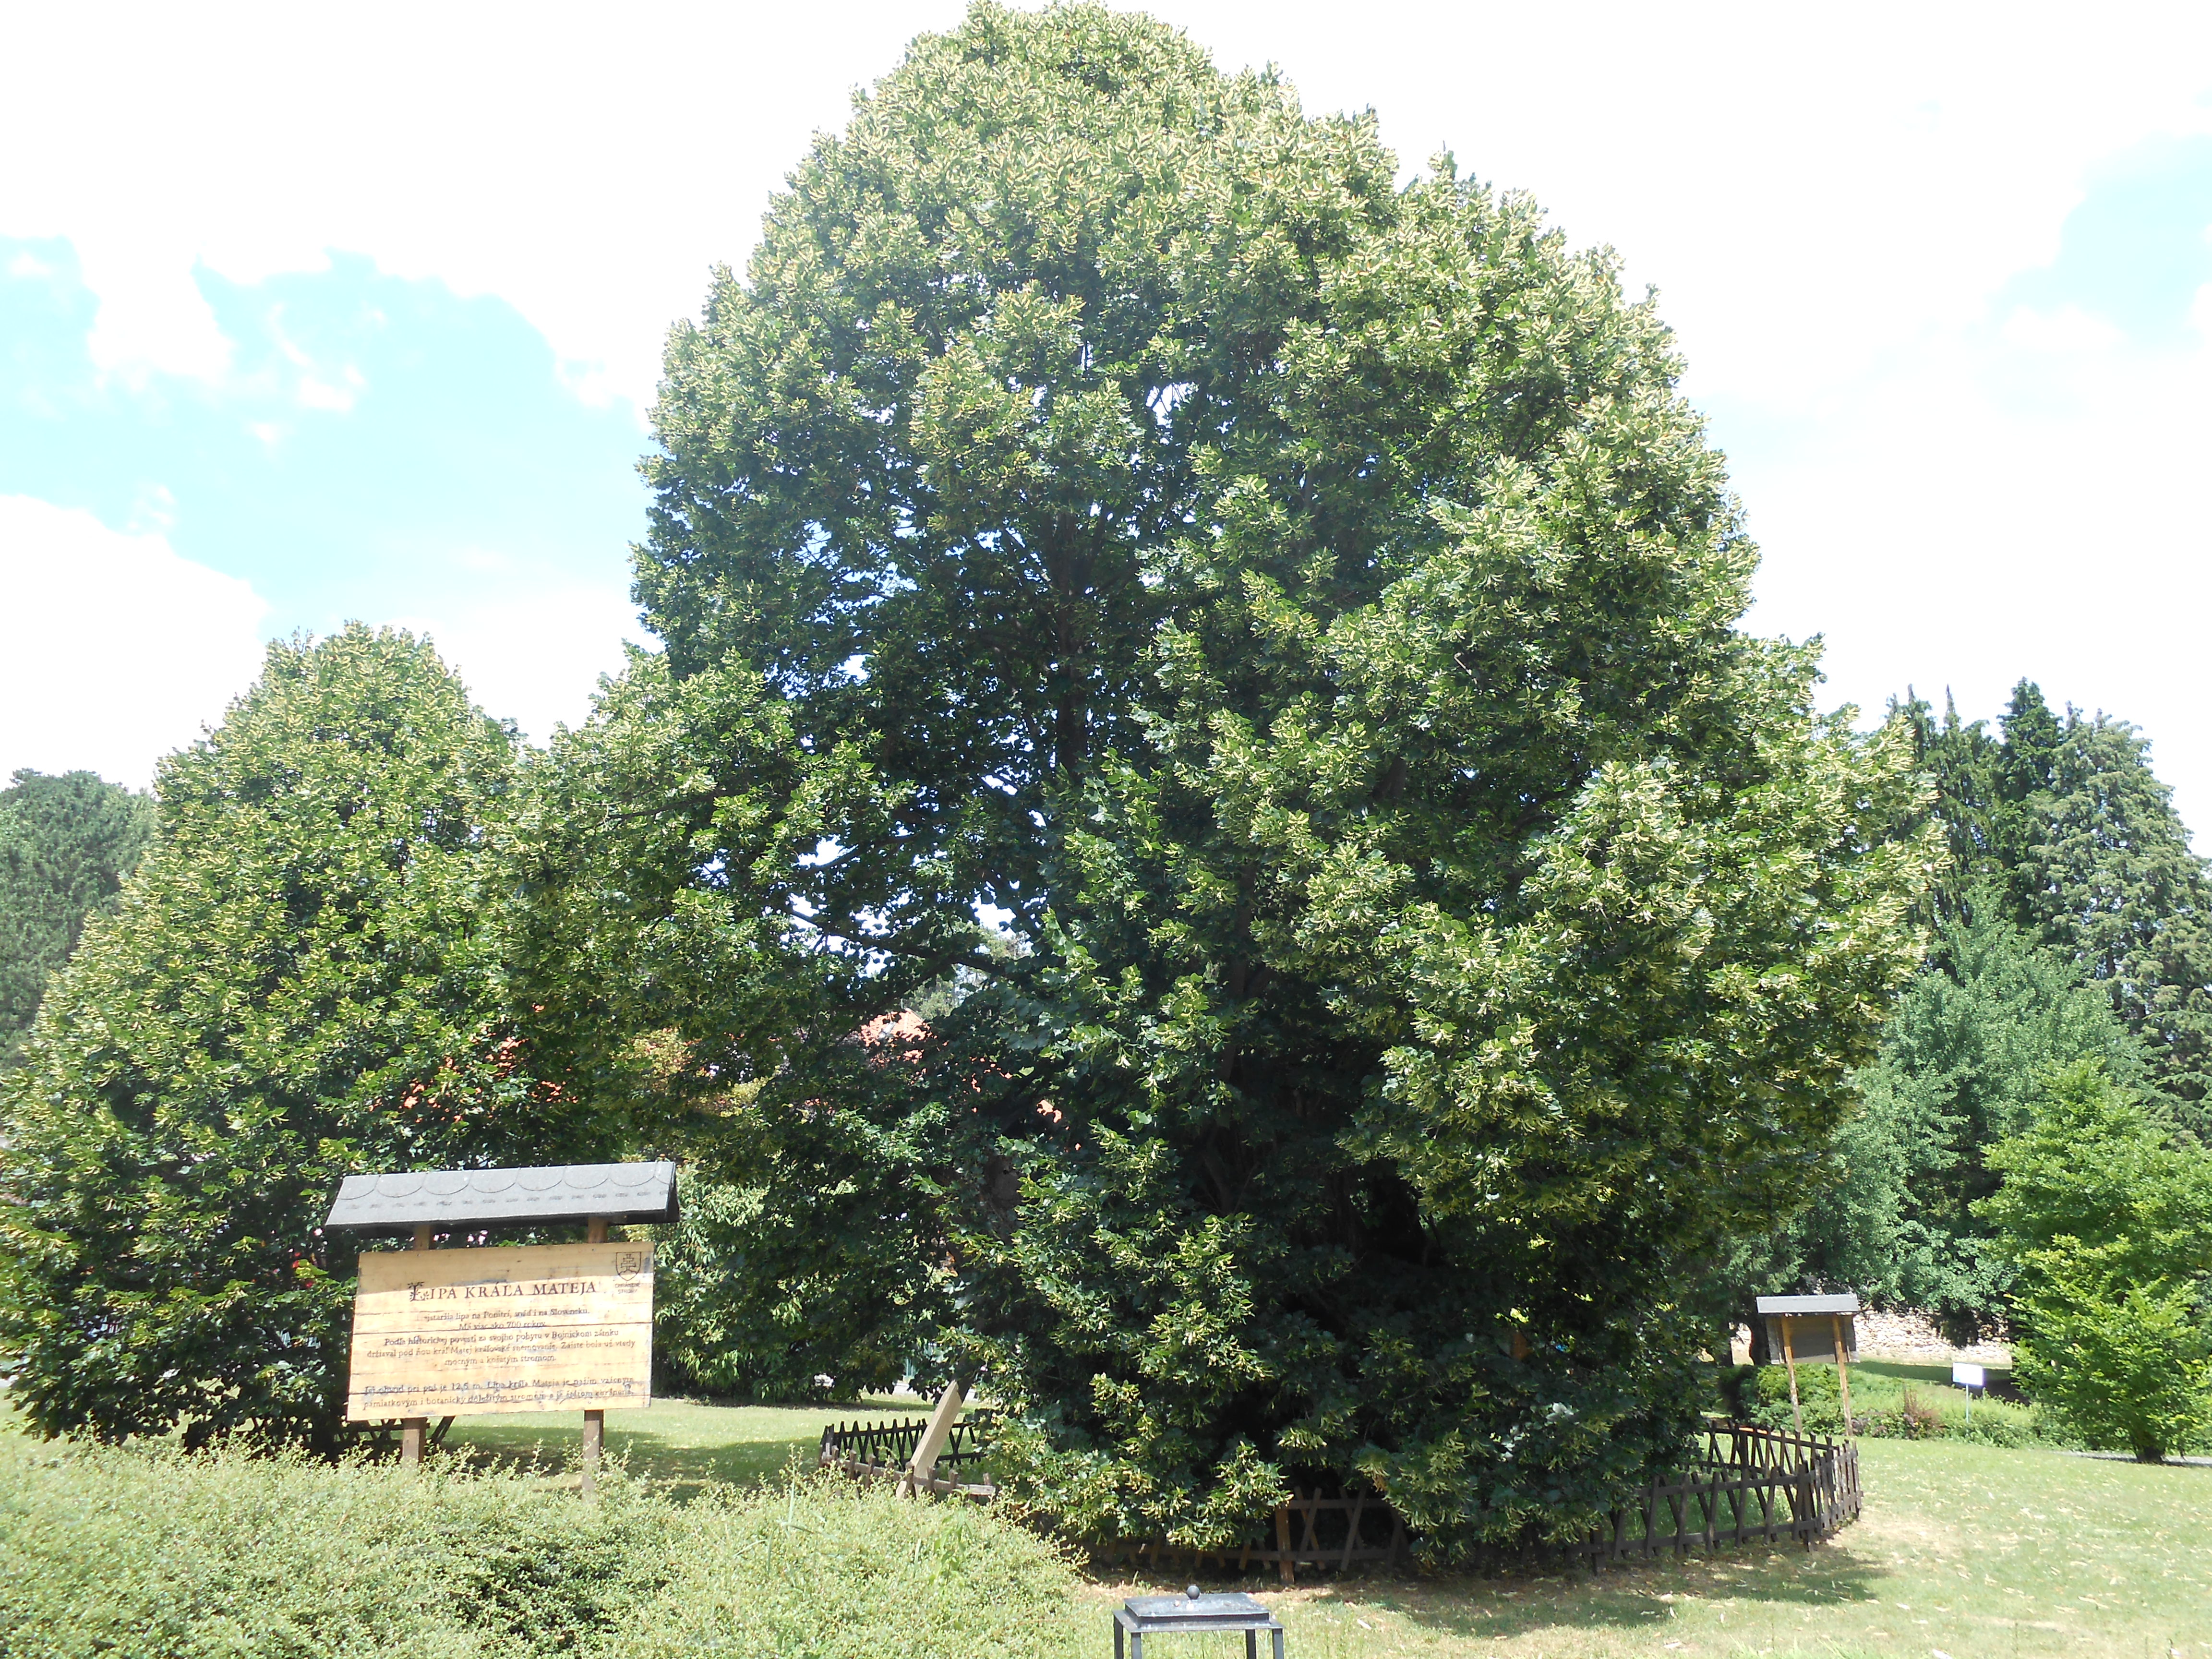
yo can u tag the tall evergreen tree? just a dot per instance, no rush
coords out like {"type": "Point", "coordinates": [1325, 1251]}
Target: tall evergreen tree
{"type": "Point", "coordinates": [1307, 610]}
{"type": "Point", "coordinates": [1964, 1063]}
{"type": "Point", "coordinates": [2065, 819]}
{"type": "Point", "coordinates": [1962, 761]}
{"type": "Point", "coordinates": [300, 983]}
{"type": "Point", "coordinates": [66, 845]}
{"type": "Point", "coordinates": [2098, 864]}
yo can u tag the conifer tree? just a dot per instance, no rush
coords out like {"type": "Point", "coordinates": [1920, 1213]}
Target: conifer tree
{"type": "Point", "coordinates": [2065, 820]}
{"type": "Point", "coordinates": [2098, 864]}
{"type": "Point", "coordinates": [66, 845]}
{"type": "Point", "coordinates": [1965, 1063]}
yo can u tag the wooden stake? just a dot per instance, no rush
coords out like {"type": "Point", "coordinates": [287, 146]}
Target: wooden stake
{"type": "Point", "coordinates": [595, 1423]}
{"type": "Point", "coordinates": [1790, 1358]}
{"type": "Point", "coordinates": [1842, 1370]}
{"type": "Point", "coordinates": [933, 1438]}
{"type": "Point", "coordinates": [595, 1434]}
{"type": "Point", "coordinates": [413, 1431]}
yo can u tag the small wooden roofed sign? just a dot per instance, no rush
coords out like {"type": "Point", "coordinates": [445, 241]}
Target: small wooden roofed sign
{"type": "Point", "coordinates": [506, 1328]}
{"type": "Point", "coordinates": [1814, 1323]}
{"type": "Point", "coordinates": [1814, 1327]}
{"type": "Point", "coordinates": [446, 1201]}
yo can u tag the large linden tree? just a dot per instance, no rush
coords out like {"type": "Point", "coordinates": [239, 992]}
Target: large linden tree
{"type": "Point", "coordinates": [1298, 609]}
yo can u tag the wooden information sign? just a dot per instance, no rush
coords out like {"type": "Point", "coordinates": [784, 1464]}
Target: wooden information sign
{"type": "Point", "coordinates": [531, 1328]}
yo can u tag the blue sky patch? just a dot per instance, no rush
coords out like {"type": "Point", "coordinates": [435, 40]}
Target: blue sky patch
{"type": "Point", "coordinates": [376, 441]}
{"type": "Point", "coordinates": [2135, 251]}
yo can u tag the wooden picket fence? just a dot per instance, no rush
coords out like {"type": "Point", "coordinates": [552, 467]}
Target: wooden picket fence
{"type": "Point", "coordinates": [1749, 1485]}
{"type": "Point", "coordinates": [1753, 1486]}
{"type": "Point", "coordinates": [1333, 1533]}
{"type": "Point", "coordinates": [882, 1451]}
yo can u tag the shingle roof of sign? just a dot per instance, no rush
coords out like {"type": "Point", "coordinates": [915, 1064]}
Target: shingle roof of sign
{"type": "Point", "coordinates": [563, 1191]}
{"type": "Point", "coordinates": [1845, 1303]}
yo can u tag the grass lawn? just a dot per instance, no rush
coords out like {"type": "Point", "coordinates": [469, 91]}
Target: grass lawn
{"type": "Point", "coordinates": [678, 1441]}
{"type": "Point", "coordinates": [1969, 1551]}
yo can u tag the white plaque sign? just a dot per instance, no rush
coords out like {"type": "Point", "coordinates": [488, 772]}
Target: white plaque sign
{"type": "Point", "coordinates": [529, 1327]}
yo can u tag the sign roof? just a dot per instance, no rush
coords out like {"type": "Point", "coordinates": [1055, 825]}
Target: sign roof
{"type": "Point", "coordinates": [1845, 1303]}
{"type": "Point", "coordinates": [459, 1198]}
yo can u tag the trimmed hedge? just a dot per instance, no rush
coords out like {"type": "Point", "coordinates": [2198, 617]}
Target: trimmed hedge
{"type": "Point", "coordinates": [152, 1552]}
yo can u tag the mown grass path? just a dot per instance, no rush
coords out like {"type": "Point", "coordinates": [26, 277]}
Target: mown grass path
{"type": "Point", "coordinates": [678, 1441]}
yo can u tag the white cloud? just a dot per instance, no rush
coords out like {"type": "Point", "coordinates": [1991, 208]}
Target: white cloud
{"type": "Point", "coordinates": [2068, 331]}
{"type": "Point", "coordinates": [1831, 203]}
{"type": "Point", "coordinates": [152, 315]}
{"type": "Point", "coordinates": [587, 165]}
{"type": "Point", "coordinates": [535, 654]}
{"type": "Point", "coordinates": [114, 650]}
{"type": "Point", "coordinates": [1977, 520]}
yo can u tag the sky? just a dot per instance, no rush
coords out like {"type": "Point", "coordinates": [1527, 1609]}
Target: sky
{"type": "Point", "coordinates": [305, 316]}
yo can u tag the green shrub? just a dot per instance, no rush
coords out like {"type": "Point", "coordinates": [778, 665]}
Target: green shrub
{"type": "Point", "coordinates": [154, 1552]}
{"type": "Point", "coordinates": [1990, 1427]}
{"type": "Point", "coordinates": [1766, 1396]}
{"type": "Point", "coordinates": [2109, 1220]}
{"type": "Point", "coordinates": [1911, 1419]}
{"type": "Point", "coordinates": [828, 1572]}
{"type": "Point", "coordinates": [2123, 1365]}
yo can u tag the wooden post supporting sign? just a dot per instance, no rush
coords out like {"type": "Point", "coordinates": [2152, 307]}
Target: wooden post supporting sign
{"type": "Point", "coordinates": [1843, 1369]}
{"type": "Point", "coordinates": [413, 1429]}
{"type": "Point", "coordinates": [1790, 1358]}
{"type": "Point", "coordinates": [595, 1423]}
{"type": "Point", "coordinates": [1788, 1317]}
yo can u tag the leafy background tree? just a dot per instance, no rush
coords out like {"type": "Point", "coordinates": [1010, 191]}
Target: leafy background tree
{"type": "Point", "coordinates": [2107, 1222]}
{"type": "Point", "coordinates": [2069, 915]}
{"type": "Point", "coordinates": [67, 844]}
{"type": "Point", "coordinates": [1302, 611]}
{"type": "Point", "coordinates": [1965, 1062]}
{"type": "Point", "coordinates": [302, 982]}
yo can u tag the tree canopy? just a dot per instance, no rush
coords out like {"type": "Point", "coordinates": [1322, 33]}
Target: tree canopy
{"type": "Point", "coordinates": [2065, 815]}
{"type": "Point", "coordinates": [1302, 612]}
{"type": "Point", "coordinates": [1965, 1063]}
{"type": "Point", "coordinates": [302, 983]}
{"type": "Point", "coordinates": [2107, 1222]}
{"type": "Point", "coordinates": [66, 845]}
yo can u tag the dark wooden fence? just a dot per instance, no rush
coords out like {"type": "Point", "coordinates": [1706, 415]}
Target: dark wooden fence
{"type": "Point", "coordinates": [1748, 1485]}
{"type": "Point", "coordinates": [1333, 1533]}
{"type": "Point", "coordinates": [882, 1451]}
{"type": "Point", "coordinates": [1752, 1485]}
